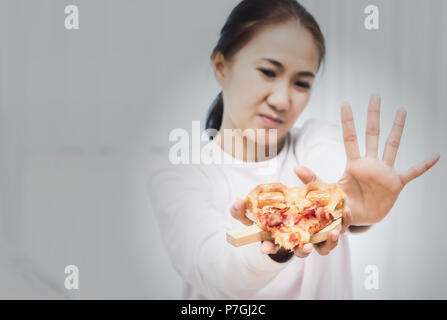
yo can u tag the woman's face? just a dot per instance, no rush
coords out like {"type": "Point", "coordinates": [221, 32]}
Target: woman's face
{"type": "Point", "coordinates": [268, 82]}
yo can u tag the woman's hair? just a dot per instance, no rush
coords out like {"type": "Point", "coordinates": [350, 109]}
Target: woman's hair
{"type": "Point", "coordinates": [242, 24]}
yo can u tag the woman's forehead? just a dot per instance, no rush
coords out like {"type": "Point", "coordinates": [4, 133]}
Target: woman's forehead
{"type": "Point", "coordinates": [289, 43]}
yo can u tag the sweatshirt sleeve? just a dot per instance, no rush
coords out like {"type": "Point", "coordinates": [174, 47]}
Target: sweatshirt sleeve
{"type": "Point", "coordinates": [193, 232]}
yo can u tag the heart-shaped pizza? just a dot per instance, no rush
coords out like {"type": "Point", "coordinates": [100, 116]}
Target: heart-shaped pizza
{"type": "Point", "coordinates": [293, 215]}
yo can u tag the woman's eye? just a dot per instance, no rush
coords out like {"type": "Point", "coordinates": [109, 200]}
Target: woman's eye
{"type": "Point", "coordinates": [303, 84]}
{"type": "Point", "coordinates": [268, 73]}
{"type": "Point", "coordinates": [271, 74]}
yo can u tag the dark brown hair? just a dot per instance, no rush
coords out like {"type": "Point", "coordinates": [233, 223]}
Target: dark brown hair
{"type": "Point", "coordinates": [242, 24]}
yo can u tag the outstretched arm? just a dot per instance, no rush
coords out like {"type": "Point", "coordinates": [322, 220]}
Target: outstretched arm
{"type": "Point", "coordinates": [193, 231]}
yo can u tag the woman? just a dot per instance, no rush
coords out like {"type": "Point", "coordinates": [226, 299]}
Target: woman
{"type": "Point", "coordinates": [266, 60]}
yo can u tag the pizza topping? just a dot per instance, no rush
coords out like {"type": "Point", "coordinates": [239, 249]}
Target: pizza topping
{"type": "Point", "coordinates": [297, 219]}
{"type": "Point", "coordinates": [274, 216]}
{"type": "Point", "coordinates": [293, 215]}
{"type": "Point", "coordinates": [273, 219]}
{"type": "Point", "coordinates": [263, 222]}
{"type": "Point", "coordinates": [308, 212]}
{"type": "Point", "coordinates": [283, 210]}
{"type": "Point", "coordinates": [321, 214]}
{"type": "Point", "coordinates": [290, 219]}
{"type": "Point", "coordinates": [292, 237]}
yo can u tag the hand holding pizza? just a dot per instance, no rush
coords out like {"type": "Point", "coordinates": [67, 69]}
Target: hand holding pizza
{"type": "Point", "coordinates": [268, 247]}
{"type": "Point", "coordinates": [239, 211]}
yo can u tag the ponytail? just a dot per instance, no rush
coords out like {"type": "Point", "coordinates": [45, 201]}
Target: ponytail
{"type": "Point", "coordinates": [215, 113]}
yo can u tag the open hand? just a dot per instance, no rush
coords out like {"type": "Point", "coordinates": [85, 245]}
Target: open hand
{"type": "Point", "coordinates": [373, 185]}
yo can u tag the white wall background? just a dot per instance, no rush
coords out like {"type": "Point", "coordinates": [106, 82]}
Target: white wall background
{"type": "Point", "coordinates": [83, 115]}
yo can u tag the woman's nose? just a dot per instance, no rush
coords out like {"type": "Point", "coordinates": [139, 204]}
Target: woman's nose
{"type": "Point", "coordinates": [280, 98]}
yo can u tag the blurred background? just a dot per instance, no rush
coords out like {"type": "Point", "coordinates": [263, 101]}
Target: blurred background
{"type": "Point", "coordinates": [85, 116]}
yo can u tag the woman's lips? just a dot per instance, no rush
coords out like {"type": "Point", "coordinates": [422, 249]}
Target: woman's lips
{"type": "Point", "coordinates": [270, 121]}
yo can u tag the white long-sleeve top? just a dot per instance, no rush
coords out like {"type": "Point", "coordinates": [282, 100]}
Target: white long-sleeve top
{"type": "Point", "coordinates": [192, 205]}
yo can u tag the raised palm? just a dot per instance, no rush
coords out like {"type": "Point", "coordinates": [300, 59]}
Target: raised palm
{"type": "Point", "coordinates": [373, 185]}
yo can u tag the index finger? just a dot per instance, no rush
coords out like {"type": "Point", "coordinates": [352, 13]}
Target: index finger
{"type": "Point", "coordinates": [349, 133]}
{"type": "Point", "coordinates": [324, 248]}
{"type": "Point", "coordinates": [304, 251]}
{"type": "Point", "coordinates": [306, 175]}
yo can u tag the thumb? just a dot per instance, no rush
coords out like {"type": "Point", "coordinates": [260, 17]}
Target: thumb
{"type": "Point", "coordinates": [306, 175]}
{"type": "Point", "coordinates": [238, 212]}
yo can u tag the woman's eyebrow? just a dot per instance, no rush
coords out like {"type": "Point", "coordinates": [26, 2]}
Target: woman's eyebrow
{"type": "Point", "coordinates": [280, 66]}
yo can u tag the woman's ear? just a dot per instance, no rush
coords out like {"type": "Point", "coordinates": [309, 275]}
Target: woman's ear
{"type": "Point", "coordinates": [219, 67]}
